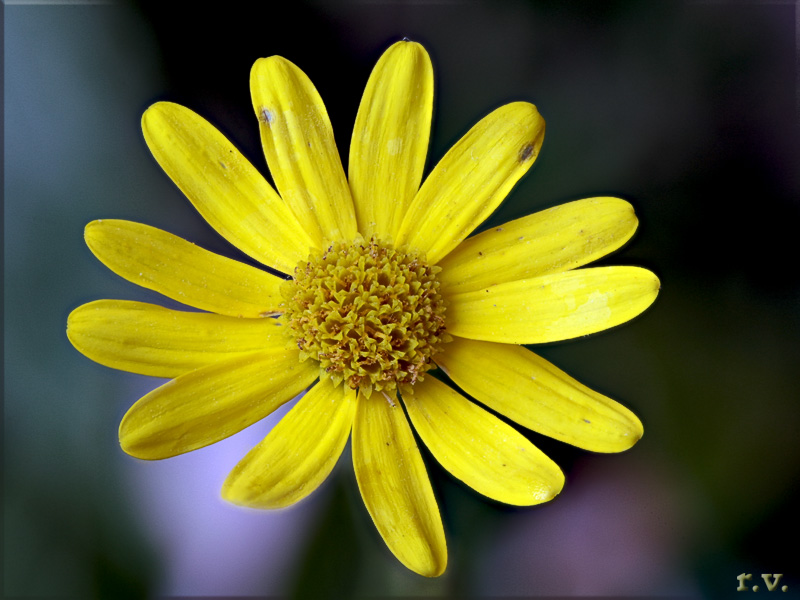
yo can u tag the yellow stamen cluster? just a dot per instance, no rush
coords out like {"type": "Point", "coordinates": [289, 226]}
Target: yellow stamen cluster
{"type": "Point", "coordinates": [370, 314]}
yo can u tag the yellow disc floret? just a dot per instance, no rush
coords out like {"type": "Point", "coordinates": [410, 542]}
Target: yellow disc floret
{"type": "Point", "coordinates": [370, 314]}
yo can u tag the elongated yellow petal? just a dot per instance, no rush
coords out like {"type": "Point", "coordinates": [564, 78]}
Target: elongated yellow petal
{"type": "Point", "coordinates": [478, 448]}
{"type": "Point", "coordinates": [395, 486]}
{"type": "Point", "coordinates": [151, 340]}
{"type": "Point", "coordinates": [472, 179]}
{"type": "Point", "coordinates": [554, 307]}
{"type": "Point", "coordinates": [224, 187]}
{"type": "Point", "coordinates": [163, 262]}
{"type": "Point", "coordinates": [300, 149]}
{"type": "Point", "coordinates": [212, 403]}
{"type": "Point", "coordinates": [298, 454]}
{"type": "Point", "coordinates": [550, 241]}
{"type": "Point", "coordinates": [529, 390]}
{"type": "Point", "coordinates": [390, 138]}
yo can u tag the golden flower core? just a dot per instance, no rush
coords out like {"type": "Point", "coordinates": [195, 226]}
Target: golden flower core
{"type": "Point", "coordinates": [370, 314]}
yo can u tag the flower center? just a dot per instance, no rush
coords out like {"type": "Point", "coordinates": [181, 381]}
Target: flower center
{"type": "Point", "coordinates": [370, 314]}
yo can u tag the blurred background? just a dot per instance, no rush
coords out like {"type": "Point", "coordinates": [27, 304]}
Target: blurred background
{"type": "Point", "coordinates": [687, 110]}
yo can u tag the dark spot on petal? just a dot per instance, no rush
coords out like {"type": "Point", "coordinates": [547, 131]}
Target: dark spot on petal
{"type": "Point", "coordinates": [586, 421]}
{"type": "Point", "coordinates": [525, 153]}
{"type": "Point", "coordinates": [223, 165]}
{"type": "Point", "coordinates": [265, 116]}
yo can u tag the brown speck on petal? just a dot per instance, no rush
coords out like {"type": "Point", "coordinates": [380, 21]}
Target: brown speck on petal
{"type": "Point", "coordinates": [526, 152]}
{"type": "Point", "coordinates": [265, 116]}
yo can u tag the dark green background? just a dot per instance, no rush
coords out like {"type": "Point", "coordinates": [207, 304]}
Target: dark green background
{"type": "Point", "coordinates": [688, 110]}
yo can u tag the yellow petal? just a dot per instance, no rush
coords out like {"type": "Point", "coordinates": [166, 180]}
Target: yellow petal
{"type": "Point", "coordinates": [472, 179]}
{"type": "Point", "coordinates": [529, 390]}
{"type": "Point", "coordinates": [390, 138]}
{"type": "Point", "coordinates": [554, 307]}
{"type": "Point", "coordinates": [298, 454]}
{"type": "Point", "coordinates": [151, 340]}
{"type": "Point", "coordinates": [550, 241]}
{"type": "Point", "coordinates": [300, 149]}
{"type": "Point", "coordinates": [480, 449]}
{"type": "Point", "coordinates": [395, 486]}
{"type": "Point", "coordinates": [224, 187]}
{"type": "Point", "coordinates": [212, 403]}
{"type": "Point", "coordinates": [160, 261]}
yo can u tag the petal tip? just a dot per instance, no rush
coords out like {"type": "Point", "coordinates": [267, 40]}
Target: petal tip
{"type": "Point", "coordinates": [235, 497]}
{"type": "Point", "coordinates": [157, 113]}
{"type": "Point", "coordinates": [96, 232]}
{"type": "Point", "coordinates": [636, 432]}
{"type": "Point", "coordinates": [629, 438]}
{"type": "Point", "coordinates": [653, 286]}
{"type": "Point", "coordinates": [154, 109]}
{"type": "Point", "coordinates": [91, 225]}
{"type": "Point", "coordinates": [433, 568]}
{"type": "Point", "coordinates": [240, 493]}
{"type": "Point", "coordinates": [439, 570]}
{"type": "Point", "coordinates": [130, 447]}
{"type": "Point", "coordinates": [92, 231]}
{"type": "Point", "coordinates": [71, 335]}
{"type": "Point", "coordinates": [649, 284]}
{"type": "Point", "coordinates": [556, 490]}
{"type": "Point", "coordinates": [549, 489]}
{"type": "Point", "coordinates": [530, 119]}
{"type": "Point", "coordinates": [269, 63]}
{"type": "Point", "coordinates": [71, 318]}
{"type": "Point", "coordinates": [409, 46]}
{"type": "Point", "coordinates": [628, 212]}
{"type": "Point", "coordinates": [228, 491]}
{"type": "Point", "coordinates": [136, 445]}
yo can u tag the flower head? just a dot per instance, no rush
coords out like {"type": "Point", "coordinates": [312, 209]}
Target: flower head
{"type": "Point", "coordinates": [384, 287]}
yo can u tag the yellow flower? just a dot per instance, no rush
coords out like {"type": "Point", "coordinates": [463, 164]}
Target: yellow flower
{"type": "Point", "coordinates": [385, 287]}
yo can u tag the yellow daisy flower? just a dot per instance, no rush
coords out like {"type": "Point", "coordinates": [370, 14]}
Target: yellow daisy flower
{"type": "Point", "coordinates": [385, 287]}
